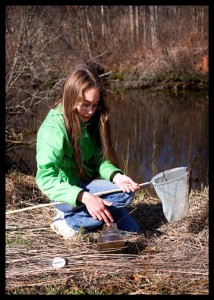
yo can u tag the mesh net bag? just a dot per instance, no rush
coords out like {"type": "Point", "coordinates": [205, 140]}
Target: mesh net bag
{"type": "Point", "coordinates": [172, 187]}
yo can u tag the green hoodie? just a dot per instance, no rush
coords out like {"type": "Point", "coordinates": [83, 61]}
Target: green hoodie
{"type": "Point", "coordinates": [56, 170]}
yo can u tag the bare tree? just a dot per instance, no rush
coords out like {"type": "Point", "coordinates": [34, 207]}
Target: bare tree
{"type": "Point", "coordinates": [131, 13]}
{"type": "Point", "coordinates": [137, 22]}
{"type": "Point", "coordinates": [153, 25]}
{"type": "Point", "coordinates": [102, 21]}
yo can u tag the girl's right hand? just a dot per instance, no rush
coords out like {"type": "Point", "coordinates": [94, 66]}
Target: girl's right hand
{"type": "Point", "coordinates": [96, 207]}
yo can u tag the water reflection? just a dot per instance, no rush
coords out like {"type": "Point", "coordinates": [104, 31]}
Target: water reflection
{"type": "Point", "coordinates": [154, 131]}
{"type": "Point", "coordinates": [159, 131]}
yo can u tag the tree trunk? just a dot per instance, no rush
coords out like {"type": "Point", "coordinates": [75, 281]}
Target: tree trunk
{"type": "Point", "coordinates": [137, 23]}
{"type": "Point", "coordinates": [131, 14]}
{"type": "Point", "coordinates": [153, 25]}
{"type": "Point", "coordinates": [102, 22]}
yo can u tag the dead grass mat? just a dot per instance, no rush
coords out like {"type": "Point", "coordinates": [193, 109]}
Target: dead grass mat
{"type": "Point", "coordinates": [167, 258]}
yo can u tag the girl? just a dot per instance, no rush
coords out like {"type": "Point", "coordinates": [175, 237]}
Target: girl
{"type": "Point", "coordinates": [76, 158]}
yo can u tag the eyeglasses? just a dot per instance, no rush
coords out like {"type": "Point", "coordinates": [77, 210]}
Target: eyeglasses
{"type": "Point", "coordinates": [88, 107]}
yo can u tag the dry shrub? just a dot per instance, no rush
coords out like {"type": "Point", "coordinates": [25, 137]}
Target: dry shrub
{"type": "Point", "coordinates": [21, 190]}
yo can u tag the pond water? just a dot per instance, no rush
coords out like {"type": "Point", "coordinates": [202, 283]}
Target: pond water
{"type": "Point", "coordinates": [157, 131]}
{"type": "Point", "coordinates": [154, 131]}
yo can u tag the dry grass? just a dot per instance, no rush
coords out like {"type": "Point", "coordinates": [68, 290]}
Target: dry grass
{"type": "Point", "coordinates": [167, 258]}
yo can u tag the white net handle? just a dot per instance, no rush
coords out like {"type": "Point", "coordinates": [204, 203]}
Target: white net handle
{"type": "Point", "coordinates": [175, 206]}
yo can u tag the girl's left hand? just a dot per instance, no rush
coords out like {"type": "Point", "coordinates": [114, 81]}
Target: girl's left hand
{"type": "Point", "coordinates": [125, 183]}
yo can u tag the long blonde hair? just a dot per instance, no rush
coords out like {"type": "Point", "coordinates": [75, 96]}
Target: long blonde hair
{"type": "Point", "coordinates": [81, 78]}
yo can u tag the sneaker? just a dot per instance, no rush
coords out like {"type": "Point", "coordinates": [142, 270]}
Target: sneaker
{"type": "Point", "coordinates": [60, 226]}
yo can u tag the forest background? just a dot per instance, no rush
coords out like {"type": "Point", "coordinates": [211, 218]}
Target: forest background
{"type": "Point", "coordinates": [134, 46]}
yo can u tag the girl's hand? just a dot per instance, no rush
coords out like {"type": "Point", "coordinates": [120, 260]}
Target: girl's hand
{"type": "Point", "coordinates": [96, 207]}
{"type": "Point", "coordinates": [125, 183]}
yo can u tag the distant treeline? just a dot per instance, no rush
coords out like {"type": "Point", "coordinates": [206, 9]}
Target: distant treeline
{"type": "Point", "coordinates": [128, 42]}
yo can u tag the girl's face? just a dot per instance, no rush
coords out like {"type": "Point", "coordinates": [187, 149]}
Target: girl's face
{"type": "Point", "coordinates": [90, 103]}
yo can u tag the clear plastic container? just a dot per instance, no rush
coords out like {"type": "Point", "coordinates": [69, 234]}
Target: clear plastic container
{"type": "Point", "coordinates": [110, 240]}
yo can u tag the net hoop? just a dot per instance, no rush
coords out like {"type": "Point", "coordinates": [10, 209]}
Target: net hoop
{"type": "Point", "coordinates": [184, 170]}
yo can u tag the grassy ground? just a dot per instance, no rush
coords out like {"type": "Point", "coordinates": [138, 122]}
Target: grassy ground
{"type": "Point", "coordinates": [164, 258]}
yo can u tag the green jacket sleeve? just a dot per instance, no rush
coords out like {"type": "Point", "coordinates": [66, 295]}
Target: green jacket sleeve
{"type": "Point", "coordinates": [50, 139]}
{"type": "Point", "coordinates": [104, 168]}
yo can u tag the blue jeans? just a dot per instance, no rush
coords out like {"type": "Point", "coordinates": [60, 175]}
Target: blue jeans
{"type": "Point", "coordinates": [77, 217]}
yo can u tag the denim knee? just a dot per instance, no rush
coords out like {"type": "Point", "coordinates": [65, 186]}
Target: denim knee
{"type": "Point", "coordinates": [119, 199]}
{"type": "Point", "coordinates": [66, 208]}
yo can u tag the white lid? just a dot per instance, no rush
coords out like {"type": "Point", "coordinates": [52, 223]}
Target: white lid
{"type": "Point", "coordinates": [57, 262]}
